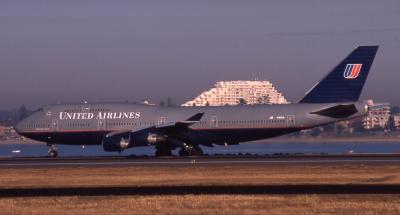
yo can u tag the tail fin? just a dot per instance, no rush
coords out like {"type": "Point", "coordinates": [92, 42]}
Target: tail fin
{"type": "Point", "coordinates": [345, 82]}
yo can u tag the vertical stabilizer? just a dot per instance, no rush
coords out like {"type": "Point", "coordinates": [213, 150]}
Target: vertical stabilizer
{"type": "Point", "coordinates": [345, 82]}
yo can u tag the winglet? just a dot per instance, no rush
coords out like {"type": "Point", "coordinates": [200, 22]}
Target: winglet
{"type": "Point", "coordinates": [191, 120]}
{"type": "Point", "coordinates": [195, 118]}
{"type": "Point", "coordinates": [184, 124]}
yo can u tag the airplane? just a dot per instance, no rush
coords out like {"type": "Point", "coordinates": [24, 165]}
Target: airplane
{"type": "Point", "coordinates": [119, 126]}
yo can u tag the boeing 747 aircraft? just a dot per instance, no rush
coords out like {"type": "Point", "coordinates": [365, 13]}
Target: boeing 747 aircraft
{"type": "Point", "coordinates": [121, 126]}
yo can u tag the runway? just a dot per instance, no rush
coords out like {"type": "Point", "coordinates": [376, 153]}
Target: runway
{"type": "Point", "coordinates": [214, 175]}
{"type": "Point", "coordinates": [203, 190]}
{"type": "Point", "coordinates": [44, 162]}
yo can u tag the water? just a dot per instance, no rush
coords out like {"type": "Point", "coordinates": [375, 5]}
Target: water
{"type": "Point", "coordinates": [21, 150]}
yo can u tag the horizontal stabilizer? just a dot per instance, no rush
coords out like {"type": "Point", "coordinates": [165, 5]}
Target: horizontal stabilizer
{"type": "Point", "coordinates": [338, 111]}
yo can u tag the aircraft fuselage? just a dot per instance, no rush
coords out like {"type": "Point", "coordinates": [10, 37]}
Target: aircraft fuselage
{"type": "Point", "coordinates": [87, 124]}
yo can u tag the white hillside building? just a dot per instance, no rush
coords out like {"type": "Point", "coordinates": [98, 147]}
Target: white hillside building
{"type": "Point", "coordinates": [235, 92]}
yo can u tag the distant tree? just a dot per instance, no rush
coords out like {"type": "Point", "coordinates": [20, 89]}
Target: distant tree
{"type": "Point", "coordinates": [329, 128]}
{"type": "Point", "coordinates": [169, 102]}
{"type": "Point", "coordinates": [315, 132]}
{"type": "Point", "coordinates": [394, 109]}
{"type": "Point", "coordinates": [242, 101]}
{"type": "Point", "coordinates": [22, 112]}
{"type": "Point", "coordinates": [390, 124]}
{"type": "Point", "coordinates": [340, 128]}
{"type": "Point", "coordinates": [207, 103]}
{"type": "Point", "coordinates": [194, 104]}
{"type": "Point", "coordinates": [358, 126]}
{"type": "Point", "coordinates": [162, 104]}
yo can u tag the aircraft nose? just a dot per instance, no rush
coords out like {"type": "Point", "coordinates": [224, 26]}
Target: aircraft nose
{"type": "Point", "coordinates": [18, 127]}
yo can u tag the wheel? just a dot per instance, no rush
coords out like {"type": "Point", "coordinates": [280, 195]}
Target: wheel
{"type": "Point", "coordinates": [191, 151]}
{"type": "Point", "coordinates": [52, 150]}
{"type": "Point", "coordinates": [53, 153]}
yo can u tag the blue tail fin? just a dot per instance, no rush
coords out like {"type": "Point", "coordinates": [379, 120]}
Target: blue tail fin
{"type": "Point", "coordinates": [345, 82]}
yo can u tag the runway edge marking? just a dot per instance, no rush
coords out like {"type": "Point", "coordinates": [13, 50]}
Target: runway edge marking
{"type": "Point", "coordinates": [198, 162]}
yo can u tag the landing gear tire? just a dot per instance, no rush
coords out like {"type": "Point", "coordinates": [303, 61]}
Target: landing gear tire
{"type": "Point", "coordinates": [53, 154]}
{"type": "Point", "coordinates": [191, 151]}
{"type": "Point", "coordinates": [163, 151]}
{"type": "Point", "coordinates": [52, 150]}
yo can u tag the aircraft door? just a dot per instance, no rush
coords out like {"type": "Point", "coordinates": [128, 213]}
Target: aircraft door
{"type": "Point", "coordinates": [291, 120]}
{"type": "Point", "coordinates": [214, 122]}
{"type": "Point", "coordinates": [54, 125]}
{"type": "Point", "coordinates": [85, 108]}
{"type": "Point", "coordinates": [161, 120]}
{"type": "Point", "coordinates": [101, 124]}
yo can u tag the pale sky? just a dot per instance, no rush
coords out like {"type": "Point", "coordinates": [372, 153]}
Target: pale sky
{"type": "Point", "coordinates": [74, 50]}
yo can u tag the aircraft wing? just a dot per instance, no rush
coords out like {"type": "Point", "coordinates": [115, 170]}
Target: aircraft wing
{"type": "Point", "coordinates": [183, 124]}
{"type": "Point", "coordinates": [176, 131]}
{"type": "Point", "coordinates": [117, 133]}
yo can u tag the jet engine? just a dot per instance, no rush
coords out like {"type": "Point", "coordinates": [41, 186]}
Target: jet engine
{"type": "Point", "coordinates": [116, 142]}
{"type": "Point", "coordinates": [155, 139]}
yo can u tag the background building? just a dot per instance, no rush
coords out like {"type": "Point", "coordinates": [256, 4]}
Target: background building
{"type": "Point", "coordinates": [2, 131]}
{"type": "Point", "coordinates": [239, 92]}
{"type": "Point", "coordinates": [396, 120]}
{"type": "Point", "coordinates": [377, 118]}
{"type": "Point", "coordinates": [8, 133]}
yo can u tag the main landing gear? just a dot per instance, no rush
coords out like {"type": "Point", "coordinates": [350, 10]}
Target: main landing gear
{"type": "Point", "coordinates": [188, 150]}
{"type": "Point", "coordinates": [52, 150]}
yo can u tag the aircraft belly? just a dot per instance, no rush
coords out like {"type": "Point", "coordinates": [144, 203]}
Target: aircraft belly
{"type": "Point", "coordinates": [69, 138]}
{"type": "Point", "coordinates": [236, 135]}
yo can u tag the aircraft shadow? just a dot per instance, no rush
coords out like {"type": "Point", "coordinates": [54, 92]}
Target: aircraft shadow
{"type": "Point", "coordinates": [204, 189]}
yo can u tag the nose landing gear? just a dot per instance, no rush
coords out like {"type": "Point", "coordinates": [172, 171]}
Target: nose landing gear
{"type": "Point", "coordinates": [52, 150]}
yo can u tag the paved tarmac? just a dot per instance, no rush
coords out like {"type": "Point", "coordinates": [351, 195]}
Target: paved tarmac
{"type": "Point", "coordinates": [45, 162]}
{"type": "Point", "coordinates": [299, 160]}
{"type": "Point", "coordinates": [161, 190]}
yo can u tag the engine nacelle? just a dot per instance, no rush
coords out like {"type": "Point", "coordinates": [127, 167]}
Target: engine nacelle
{"type": "Point", "coordinates": [116, 142]}
{"type": "Point", "coordinates": [119, 141]}
{"type": "Point", "coordinates": [155, 139]}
